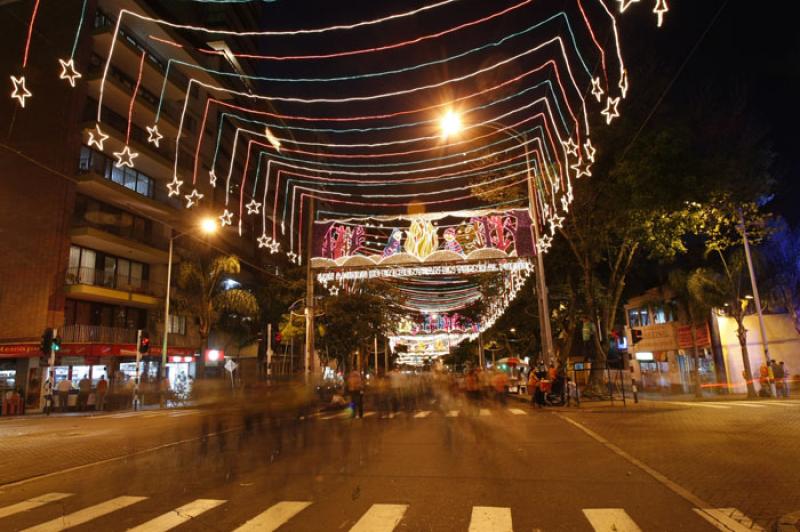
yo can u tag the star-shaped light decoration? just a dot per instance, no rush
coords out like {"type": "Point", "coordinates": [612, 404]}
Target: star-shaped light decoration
{"type": "Point", "coordinates": [582, 169]}
{"type": "Point", "coordinates": [263, 241]}
{"type": "Point", "coordinates": [125, 157]}
{"type": "Point", "coordinates": [97, 137]}
{"type": "Point", "coordinates": [556, 222]}
{"type": "Point", "coordinates": [212, 178]}
{"type": "Point", "coordinates": [155, 135]}
{"type": "Point", "coordinates": [597, 90]}
{"type": "Point", "coordinates": [571, 147]}
{"type": "Point", "coordinates": [660, 10]}
{"type": "Point", "coordinates": [625, 4]}
{"type": "Point", "coordinates": [589, 150]}
{"type": "Point", "coordinates": [565, 203]}
{"type": "Point", "coordinates": [292, 256]}
{"type": "Point", "coordinates": [68, 71]}
{"type": "Point", "coordinates": [611, 112]}
{"type": "Point", "coordinates": [253, 207]}
{"type": "Point", "coordinates": [174, 187]}
{"type": "Point", "coordinates": [623, 83]}
{"type": "Point", "coordinates": [193, 198]}
{"type": "Point", "coordinates": [334, 290]}
{"type": "Point", "coordinates": [545, 243]}
{"type": "Point", "coordinates": [274, 247]}
{"type": "Point", "coordinates": [20, 91]}
{"type": "Point", "coordinates": [226, 218]}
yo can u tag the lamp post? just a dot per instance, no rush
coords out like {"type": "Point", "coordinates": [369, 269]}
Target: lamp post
{"type": "Point", "coordinates": [451, 125]}
{"type": "Point", "coordinates": [207, 226]}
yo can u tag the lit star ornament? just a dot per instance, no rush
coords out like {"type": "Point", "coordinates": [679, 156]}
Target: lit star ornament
{"type": "Point", "coordinates": [263, 241]}
{"type": "Point", "coordinates": [660, 10]}
{"type": "Point", "coordinates": [193, 198]}
{"type": "Point", "coordinates": [571, 147]}
{"type": "Point", "coordinates": [20, 91]}
{"type": "Point", "coordinates": [174, 187]}
{"type": "Point", "coordinates": [253, 207]}
{"type": "Point", "coordinates": [68, 71]}
{"type": "Point", "coordinates": [274, 247]}
{"type": "Point", "coordinates": [556, 222]}
{"type": "Point", "coordinates": [597, 90]}
{"type": "Point", "coordinates": [589, 150]}
{"type": "Point", "coordinates": [125, 157]}
{"type": "Point", "coordinates": [292, 256]}
{"type": "Point", "coordinates": [97, 137]}
{"type": "Point", "coordinates": [623, 83]}
{"type": "Point", "coordinates": [334, 290]}
{"type": "Point", "coordinates": [545, 243]}
{"type": "Point", "coordinates": [212, 178]}
{"type": "Point", "coordinates": [226, 218]}
{"type": "Point", "coordinates": [582, 169]}
{"type": "Point", "coordinates": [611, 112]}
{"type": "Point", "coordinates": [155, 136]}
{"type": "Point", "coordinates": [565, 203]}
{"type": "Point", "coordinates": [625, 4]}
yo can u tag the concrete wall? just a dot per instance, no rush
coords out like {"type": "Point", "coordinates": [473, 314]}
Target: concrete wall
{"type": "Point", "coordinates": [782, 337]}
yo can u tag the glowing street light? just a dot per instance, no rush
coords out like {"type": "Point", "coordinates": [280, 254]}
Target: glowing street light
{"type": "Point", "coordinates": [450, 124]}
{"type": "Point", "coordinates": [208, 226]}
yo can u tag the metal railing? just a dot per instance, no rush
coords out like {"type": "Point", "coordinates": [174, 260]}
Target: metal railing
{"type": "Point", "coordinates": [93, 277]}
{"type": "Point", "coordinates": [97, 333]}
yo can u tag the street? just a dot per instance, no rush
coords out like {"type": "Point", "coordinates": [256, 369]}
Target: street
{"type": "Point", "coordinates": [446, 465]}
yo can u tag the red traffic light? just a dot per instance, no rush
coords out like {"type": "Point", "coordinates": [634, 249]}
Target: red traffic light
{"type": "Point", "coordinates": [278, 338]}
{"type": "Point", "coordinates": [144, 343]}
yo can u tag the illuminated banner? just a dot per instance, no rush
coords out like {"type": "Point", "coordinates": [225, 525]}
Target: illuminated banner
{"type": "Point", "coordinates": [456, 237]}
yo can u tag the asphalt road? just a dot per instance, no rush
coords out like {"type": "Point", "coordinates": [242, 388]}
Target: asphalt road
{"type": "Point", "coordinates": [446, 465]}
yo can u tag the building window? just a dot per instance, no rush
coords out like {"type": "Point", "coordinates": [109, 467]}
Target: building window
{"type": "Point", "coordinates": [87, 266]}
{"type": "Point", "coordinates": [177, 325]}
{"type": "Point", "coordinates": [665, 312]}
{"type": "Point", "coordinates": [100, 164]}
{"type": "Point", "coordinates": [638, 317]}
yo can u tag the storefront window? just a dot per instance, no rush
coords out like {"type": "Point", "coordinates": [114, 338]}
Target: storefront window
{"type": "Point", "coordinates": [638, 317]}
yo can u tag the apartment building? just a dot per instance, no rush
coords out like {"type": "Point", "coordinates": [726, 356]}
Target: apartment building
{"type": "Point", "coordinates": [86, 242]}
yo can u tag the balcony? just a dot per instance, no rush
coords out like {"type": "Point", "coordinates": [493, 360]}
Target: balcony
{"type": "Point", "coordinates": [85, 334]}
{"type": "Point", "coordinates": [97, 285]}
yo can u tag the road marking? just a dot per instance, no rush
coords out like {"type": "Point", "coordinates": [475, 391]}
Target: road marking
{"type": "Point", "coordinates": [424, 413]}
{"type": "Point", "coordinates": [30, 504]}
{"type": "Point", "coordinates": [380, 518]}
{"type": "Point", "coordinates": [485, 412]}
{"type": "Point", "coordinates": [490, 519]}
{"type": "Point", "coordinates": [728, 519]}
{"type": "Point", "coordinates": [178, 516]}
{"type": "Point", "coordinates": [453, 413]}
{"type": "Point", "coordinates": [518, 411]}
{"type": "Point", "coordinates": [369, 414]}
{"type": "Point", "coordinates": [336, 415]}
{"type": "Point", "coordinates": [663, 480]}
{"type": "Point", "coordinates": [183, 413]}
{"type": "Point", "coordinates": [704, 405]}
{"type": "Point", "coordinates": [749, 405]}
{"type": "Point", "coordinates": [87, 514]}
{"type": "Point", "coordinates": [781, 403]}
{"type": "Point", "coordinates": [610, 520]}
{"type": "Point", "coordinates": [274, 517]}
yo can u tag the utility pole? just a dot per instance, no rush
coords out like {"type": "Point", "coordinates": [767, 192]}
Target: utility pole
{"type": "Point", "coordinates": [756, 296]}
{"type": "Point", "coordinates": [386, 358]}
{"type": "Point", "coordinates": [376, 355]}
{"type": "Point", "coordinates": [309, 351]}
{"type": "Point", "coordinates": [138, 363]}
{"type": "Point", "coordinates": [269, 351]}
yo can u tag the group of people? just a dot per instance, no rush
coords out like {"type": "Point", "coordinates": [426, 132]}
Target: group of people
{"type": "Point", "coordinates": [87, 394]}
{"type": "Point", "coordinates": [774, 375]}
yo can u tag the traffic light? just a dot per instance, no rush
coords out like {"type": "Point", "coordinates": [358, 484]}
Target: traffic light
{"type": "Point", "coordinates": [278, 338]}
{"type": "Point", "coordinates": [636, 336]}
{"type": "Point", "coordinates": [56, 344]}
{"type": "Point", "coordinates": [144, 343]}
{"type": "Point", "coordinates": [47, 341]}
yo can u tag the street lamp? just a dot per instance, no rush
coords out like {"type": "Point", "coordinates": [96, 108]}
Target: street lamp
{"type": "Point", "coordinates": [207, 226]}
{"type": "Point", "coordinates": [451, 125]}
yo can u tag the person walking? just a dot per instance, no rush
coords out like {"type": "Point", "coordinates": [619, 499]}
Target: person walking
{"type": "Point", "coordinates": [100, 393]}
{"type": "Point", "coordinates": [48, 396]}
{"type": "Point", "coordinates": [84, 389]}
{"type": "Point", "coordinates": [787, 381]}
{"type": "Point", "coordinates": [778, 374]}
{"type": "Point", "coordinates": [356, 389]}
{"type": "Point", "coordinates": [64, 387]}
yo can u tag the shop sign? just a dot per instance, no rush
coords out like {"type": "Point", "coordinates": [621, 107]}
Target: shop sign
{"type": "Point", "coordinates": [702, 334]}
{"type": "Point", "coordinates": [19, 350]}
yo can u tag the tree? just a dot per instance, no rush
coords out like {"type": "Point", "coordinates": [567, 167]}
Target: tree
{"type": "Point", "coordinates": [201, 293]}
{"type": "Point", "coordinates": [782, 258]}
{"type": "Point", "coordinates": [697, 310]}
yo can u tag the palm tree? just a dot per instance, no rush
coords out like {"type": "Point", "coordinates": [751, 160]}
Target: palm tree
{"type": "Point", "coordinates": [696, 310]}
{"type": "Point", "coordinates": [727, 290]}
{"type": "Point", "coordinates": [201, 293]}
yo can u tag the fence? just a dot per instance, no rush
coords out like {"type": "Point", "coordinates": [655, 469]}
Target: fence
{"type": "Point", "coordinates": [600, 383]}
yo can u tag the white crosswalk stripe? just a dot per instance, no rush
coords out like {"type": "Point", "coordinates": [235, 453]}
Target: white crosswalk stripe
{"type": "Point", "coordinates": [424, 413]}
{"type": "Point", "coordinates": [728, 519]}
{"type": "Point", "coordinates": [380, 518]}
{"type": "Point", "coordinates": [490, 519]}
{"type": "Point", "coordinates": [518, 411]}
{"type": "Point", "coordinates": [453, 413]}
{"type": "Point", "coordinates": [701, 405]}
{"type": "Point", "coordinates": [276, 516]}
{"type": "Point", "coordinates": [178, 516]}
{"type": "Point", "coordinates": [485, 412]}
{"type": "Point", "coordinates": [30, 504]}
{"type": "Point", "coordinates": [610, 520]}
{"type": "Point", "coordinates": [85, 515]}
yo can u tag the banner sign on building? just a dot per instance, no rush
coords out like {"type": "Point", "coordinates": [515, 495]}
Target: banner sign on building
{"type": "Point", "coordinates": [702, 335]}
{"type": "Point", "coordinates": [462, 236]}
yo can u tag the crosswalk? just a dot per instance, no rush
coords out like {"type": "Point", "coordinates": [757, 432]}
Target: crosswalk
{"type": "Point", "coordinates": [423, 414]}
{"type": "Point", "coordinates": [379, 517]}
{"type": "Point", "coordinates": [746, 405]}
{"type": "Point", "coordinates": [144, 414]}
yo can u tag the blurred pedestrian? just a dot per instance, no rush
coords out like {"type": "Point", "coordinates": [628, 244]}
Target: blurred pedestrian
{"type": "Point", "coordinates": [787, 381]}
{"type": "Point", "coordinates": [48, 396]}
{"type": "Point", "coordinates": [64, 387]}
{"type": "Point", "coordinates": [499, 382]}
{"type": "Point", "coordinates": [765, 379]}
{"type": "Point", "coordinates": [356, 389]}
{"type": "Point", "coordinates": [780, 381]}
{"type": "Point", "coordinates": [100, 393]}
{"type": "Point", "coordinates": [84, 389]}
